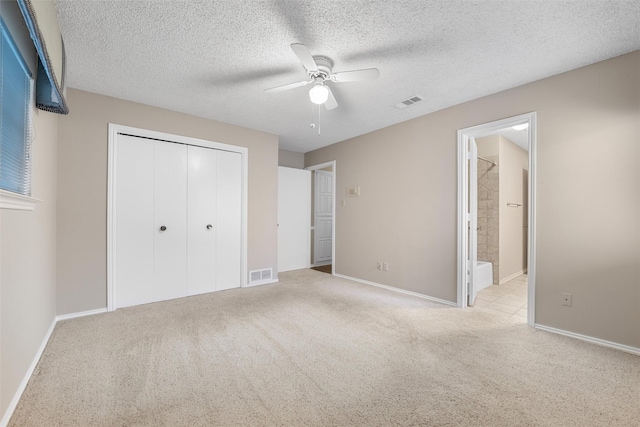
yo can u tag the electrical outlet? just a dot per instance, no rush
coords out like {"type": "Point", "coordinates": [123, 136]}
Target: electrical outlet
{"type": "Point", "coordinates": [379, 265]}
{"type": "Point", "coordinates": [385, 266]}
{"type": "Point", "coordinates": [566, 299]}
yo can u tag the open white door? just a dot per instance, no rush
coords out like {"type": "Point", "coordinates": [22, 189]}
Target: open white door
{"type": "Point", "coordinates": [323, 236]}
{"type": "Point", "coordinates": [473, 220]}
{"type": "Point", "coordinates": [294, 218]}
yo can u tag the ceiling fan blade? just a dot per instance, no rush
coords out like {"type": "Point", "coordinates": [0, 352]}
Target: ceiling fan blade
{"type": "Point", "coordinates": [331, 102]}
{"type": "Point", "coordinates": [356, 75]}
{"type": "Point", "coordinates": [305, 56]}
{"type": "Point", "coordinates": [288, 86]}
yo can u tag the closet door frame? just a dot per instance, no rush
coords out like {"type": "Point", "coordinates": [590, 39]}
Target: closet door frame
{"type": "Point", "coordinates": [114, 131]}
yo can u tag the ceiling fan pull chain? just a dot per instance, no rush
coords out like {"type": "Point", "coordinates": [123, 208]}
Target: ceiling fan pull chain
{"type": "Point", "coordinates": [313, 124]}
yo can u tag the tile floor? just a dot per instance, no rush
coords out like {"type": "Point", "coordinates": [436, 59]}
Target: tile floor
{"type": "Point", "coordinates": [508, 299]}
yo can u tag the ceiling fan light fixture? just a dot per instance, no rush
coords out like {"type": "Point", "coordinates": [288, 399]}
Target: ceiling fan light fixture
{"type": "Point", "coordinates": [319, 93]}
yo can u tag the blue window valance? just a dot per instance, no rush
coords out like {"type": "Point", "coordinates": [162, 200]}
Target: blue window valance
{"type": "Point", "coordinates": [42, 22]}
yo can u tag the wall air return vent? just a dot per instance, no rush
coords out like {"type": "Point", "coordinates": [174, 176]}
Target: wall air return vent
{"type": "Point", "coordinates": [412, 100]}
{"type": "Point", "coordinates": [258, 277]}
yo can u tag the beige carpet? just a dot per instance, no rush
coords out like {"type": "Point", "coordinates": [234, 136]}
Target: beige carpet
{"type": "Point", "coordinates": [315, 350]}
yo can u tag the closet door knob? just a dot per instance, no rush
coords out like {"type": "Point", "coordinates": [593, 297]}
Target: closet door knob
{"type": "Point", "coordinates": [163, 228]}
{"type": "Point", "coordinates": [209, 226]}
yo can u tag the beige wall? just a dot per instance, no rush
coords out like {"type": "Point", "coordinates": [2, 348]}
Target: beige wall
{"type": "Point", "coordinates": [290, 159]}
{"type": "Point", "coordinates": [82, 189]}
{"type": "Point", "coordinates": [588, 199]}
{"type": "Point", "coordinates": [514, 165]}
{"type": "Point", "coordinates": [28, 246]}
{"type": "Point", "coordinates": [28, 265]}
{"type": "Point", "coordinates": [488, 146]}
{"type": "Point", "coordinates": [406, 212]}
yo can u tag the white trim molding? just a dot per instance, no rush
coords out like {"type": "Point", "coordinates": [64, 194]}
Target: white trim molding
{"type": "Point", "coordinates": [27, 376]}
{"type": "Point", "coordinates": [114, 130]}
{"type": "Point", "coordinates": [401, 291]}
{"type": "Point", "coordinates": [592, 340]}
{"type": "Point", "coordinates": [462, 266]}
{"type": "Point", "coordinates": [11, 200]}
{"type": "Point", "coordinates": [81, 314]}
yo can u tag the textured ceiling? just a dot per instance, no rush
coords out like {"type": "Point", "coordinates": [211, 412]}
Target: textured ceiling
{"type": "Point", "coordinates": [213, 59]}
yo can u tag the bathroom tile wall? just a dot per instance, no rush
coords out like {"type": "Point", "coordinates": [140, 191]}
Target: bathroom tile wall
{"type": "Point", "coordinates": [488, 217]}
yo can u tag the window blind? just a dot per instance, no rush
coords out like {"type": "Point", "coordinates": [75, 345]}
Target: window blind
{"type": "Point", "coordinates": [15, 118]}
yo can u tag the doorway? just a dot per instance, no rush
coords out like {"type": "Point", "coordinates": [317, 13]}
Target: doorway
{"type": "Point", "coordinates": [493, 170]}
{"type": "Point", "coordinates": [323, 185]}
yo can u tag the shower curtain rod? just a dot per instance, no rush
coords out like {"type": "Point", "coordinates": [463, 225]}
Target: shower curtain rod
{"type": "Point", "coordinates": [488, 161]}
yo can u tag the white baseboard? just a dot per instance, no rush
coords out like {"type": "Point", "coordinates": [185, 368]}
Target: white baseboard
{"type": "Point", "coordinates": [511, 277]}
{"type": "Point", "coordinates": [402, 291]}
{"type": "Point", "coordinates": [16, 398]}
{"type": "Point", "coordinates": [80, 314]}
{"type": "Point", "coordinates": [593, 340]}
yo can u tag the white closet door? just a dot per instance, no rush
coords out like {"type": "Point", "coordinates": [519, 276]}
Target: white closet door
{"type": "Point", "coordinates": [170, 201]}
{"type": "Point", "coordinates": [202, 220]}
{"type": "Point", "coordinates": [229, 220]}
{"type": "Point", "coordinates": [134, 221]}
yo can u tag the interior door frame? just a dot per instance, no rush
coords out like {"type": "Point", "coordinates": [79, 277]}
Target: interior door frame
{"type": "Point", "coordinates": [472, 253]}
{"type": "Point", "coordinates": [114, 130]}
{"type": "Point", "coordinates": [481, 130]}
{"type": "Point", "coordinates": [312, 168]}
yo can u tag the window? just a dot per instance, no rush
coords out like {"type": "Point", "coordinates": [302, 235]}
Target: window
{"type": "Point", "coordinates": [15, 119]}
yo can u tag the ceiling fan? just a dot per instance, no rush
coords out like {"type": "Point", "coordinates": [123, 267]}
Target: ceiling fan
{"type": "Point", "coordinates": [319, 71]}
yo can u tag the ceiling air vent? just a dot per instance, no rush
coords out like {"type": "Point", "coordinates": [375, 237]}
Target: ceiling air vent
{"type": "Point", "coordinates": [409, 102]}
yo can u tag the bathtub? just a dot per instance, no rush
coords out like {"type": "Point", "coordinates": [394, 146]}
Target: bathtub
{"type": "Point", "coordinates": [484, 275]}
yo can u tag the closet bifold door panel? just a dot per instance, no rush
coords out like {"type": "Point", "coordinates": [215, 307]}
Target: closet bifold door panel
{"type": "Point", "coordinates": [170, 221]}
{"type": "Point", "coordinates": [214, 199]}
{"type": "Point", "coordinates": [229, 221]}
{"type": "Point", "coordinates": [134, 221]}
{"type": "Point", "coordinates": [201, 253]}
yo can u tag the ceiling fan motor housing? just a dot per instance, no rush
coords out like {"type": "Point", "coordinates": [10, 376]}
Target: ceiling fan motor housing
{"type": "Point", "coordinates": [324, 68]}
